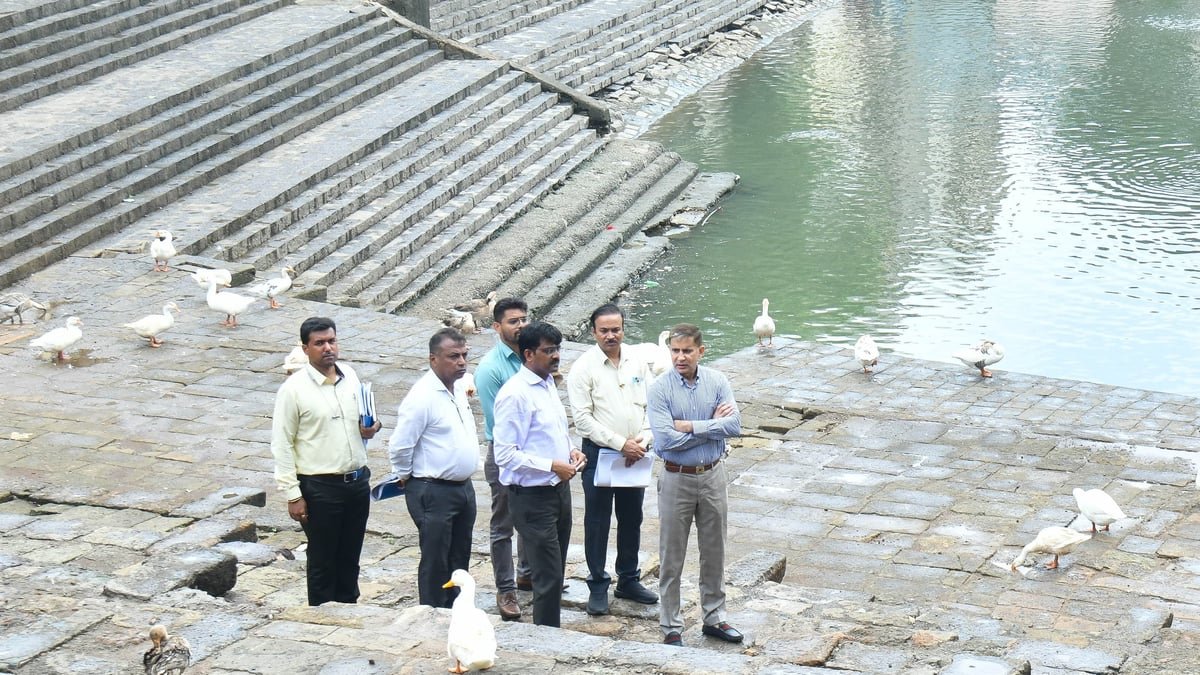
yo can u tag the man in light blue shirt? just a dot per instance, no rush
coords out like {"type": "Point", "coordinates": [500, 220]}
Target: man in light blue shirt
{"type": "Point", "coordinates": [692, 412]}
{"type": "Point", "coordinates": [536, 461]}
{"type": "Point", "coordinates": [503, 361]}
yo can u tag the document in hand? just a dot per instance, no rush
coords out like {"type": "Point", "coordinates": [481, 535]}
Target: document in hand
{"type": "Point", "coordinates": [366, 404]}
{"type": "Point", "coordinates": [387, 488]}
{"type": "Point", "coordinates": [612, 472]}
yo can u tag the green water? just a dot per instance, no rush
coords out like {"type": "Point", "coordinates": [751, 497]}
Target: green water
{"type": "Point", "coordinates": [933, 173]}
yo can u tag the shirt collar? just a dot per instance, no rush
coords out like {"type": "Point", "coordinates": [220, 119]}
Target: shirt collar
{"type": "Point", "coordinates": [319, 377]}
{"type": "Point", "coordinates": [529, 377]}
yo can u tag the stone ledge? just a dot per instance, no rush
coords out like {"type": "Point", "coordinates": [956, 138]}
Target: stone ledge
{"type": "Point", "coordinates": [209, 570]}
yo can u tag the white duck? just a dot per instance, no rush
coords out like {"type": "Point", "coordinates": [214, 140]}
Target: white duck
{"type": "Point", "coordinates": [867, 353]}
{"type": "Point", "coordinates": [14, 305]}
{"type": "Point", "coordinates": [471, 641]}
{"type": "Point", "coordinates": [272, 288]}
{"type": "Point", "coordinates": [1056, 540]}
{"type": "Point", "coordinates": [657, 356]}
{"type": "Point", "coordinates": [1098, 507]}
{"type": "Point", "coordinates": [463, 321]}
{"type": "Point", "coordinates": [162, 250]}
{"type": "Point", "coordinates": [229, 304]}
{"type": "Point", "coordinates": [170, 655]}
{"type": "Point", "coordinates": [764, 326]}
{"type": "Point", "coordinates": [152, 325]}
{"type": "Point", "coordinates": [981, 356]}
{"type": "Point", "coordinates": [295, 360]}
{"type": "Point", "coordinates": [223, 276]}
{"type": "Point", "coordinates": [480, 308]}
{"type": "Point", "coordinates": [58, 340]}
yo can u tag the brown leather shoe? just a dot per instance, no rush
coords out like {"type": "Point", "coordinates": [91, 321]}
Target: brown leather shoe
{"type": "Point", "coordinates": [507, 604]}
{"type": "Point", "coordinates": [524, 584]}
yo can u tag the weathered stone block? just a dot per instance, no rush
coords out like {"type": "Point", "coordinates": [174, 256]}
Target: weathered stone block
{"type": "Point", "coordinates": [207, 533]}
{"type": "Point", "coordinates": [209, 570]}
{"type": "Point", "coordinates": [970, 664]}
{"type": "Point", "coordinates": [221, 500]}
{"type": "Point", "coordinates": [757, 567]}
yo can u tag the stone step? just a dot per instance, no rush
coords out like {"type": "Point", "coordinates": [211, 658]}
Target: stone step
{"type": "Point", "coordinates": [320, 210]}
{"type": "Point", "coordinates": [491, 27]}
{"type": "Point", "coordinates": [58, 72]}
{"type": "Point", "coordinates": [247, 141]}
{"type": "Point", "coordinates": [511, 252]}
{"type": "Point", "coordinates": [563, 34]}
{"type": "Point", "coordinates": [596, 76]}
{"type": "Point", "coordinates": [41, 131]}
{"type": "Point", "coordinates": [45, 22]}
{"type": "Point", "coordinates": [75, 174]}
{"type": "Point", "coordinates": [246, 138]}
{"type": "Point", "coordinates": [593, 242]}
{"type": "Point", "coordinates": [15, 15]}
{"type": "Point", "coordinates": [389, 244]}
{"type": "Point", "coordinates": [447, 264]}
{"type": "Point", "coordinates": [515, 197]}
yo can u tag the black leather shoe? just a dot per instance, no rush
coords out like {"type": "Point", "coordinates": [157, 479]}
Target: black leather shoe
{"type": "Point", "coordinates": [597, 603]}
{"type": "Point", "coordinates": [673, 639]}
{"type": "Point", "coordinates": [723, 631]}
{"type": "Point", "coordinates": [635, 591]}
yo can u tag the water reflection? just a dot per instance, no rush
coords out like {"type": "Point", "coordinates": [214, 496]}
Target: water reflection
{"type": "Point", "coordinates": [934, 173]}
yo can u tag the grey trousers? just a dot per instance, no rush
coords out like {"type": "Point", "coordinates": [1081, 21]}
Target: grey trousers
{"type": "Point", "coordinates": [502, 530]}
{"type": "Point", "coordinates": [683, 498]}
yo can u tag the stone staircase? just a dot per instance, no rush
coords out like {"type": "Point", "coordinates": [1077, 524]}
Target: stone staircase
{"type": "Point", "coordinates": [322, 136]}
{"type": "Point", "coordinates": [600, 42]}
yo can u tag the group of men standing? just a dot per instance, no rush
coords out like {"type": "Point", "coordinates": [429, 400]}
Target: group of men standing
{"type": "Point", "coordinates": [684, 416]}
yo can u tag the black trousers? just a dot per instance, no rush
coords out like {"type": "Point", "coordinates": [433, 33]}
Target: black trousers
{"type": "Point", "coordinates": [444, 514]}
{"type": "Point", "coordinates": [598, 505]}
{"type": "Point", "coordinates": [337, 523]}
{"type": "Point", "coordinates": [542, 516]}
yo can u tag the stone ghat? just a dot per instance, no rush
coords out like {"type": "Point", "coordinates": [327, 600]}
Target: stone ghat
{"type": "Point", "coordinates": [872, 519]}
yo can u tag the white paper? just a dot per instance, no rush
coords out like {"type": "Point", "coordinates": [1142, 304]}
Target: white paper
{"type": "Point", "coordinates": [612, 472]}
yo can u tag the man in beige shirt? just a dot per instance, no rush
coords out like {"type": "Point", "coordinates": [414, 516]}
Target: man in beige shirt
{"type": "Point", "coordinates": [320, 453]}
{"type": "Point", "coordinates": [607, 389]}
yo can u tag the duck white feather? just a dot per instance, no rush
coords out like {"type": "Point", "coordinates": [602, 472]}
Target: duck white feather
{"type": "Point", "coordinates": [223, 276]}
{"type": "Point", "coordinates": [60, 339]}
{"type": "Point", "coordinates": [764, 325]}
{"type": "Point", "coordinates": [463, 321]}
{"type": "Point", "coordinates": [1097, 506]}
{"type": "Point", "coordinates": [657, 356]}
{"type": "Point", "coordinates": [480, 308]}
{"type": "Point", "coordinates": [295, 360]}
{"type": "Point", "coordinates": [981, 356]}
{"type": "Point", "coordinates": [273, 288]}
{"type": "Point", "coordinates": [170, 655]}
{"type": "Point", "coordinates": [152, 325]}
{"type": "Point", "coordinates": [228, 303]}
{"type": "Point", "coordinates": [14, 305]}
{"type": "Point", "coordinates": [162, 249]}
{"type": "Point", "coordinates": [1056, 540]}
{"type": "Point", "coordinates": [471, 641]}
{"type": "Point", "coordinates": [867, 353]}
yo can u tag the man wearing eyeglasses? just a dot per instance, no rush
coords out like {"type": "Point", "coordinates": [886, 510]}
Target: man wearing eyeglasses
{"type": "Point", "coordinates": [536, 461]}
{"type": "Point", "coordinates": [509, 316]}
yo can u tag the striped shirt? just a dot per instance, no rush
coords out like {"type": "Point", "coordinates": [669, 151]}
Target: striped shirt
{"type": "Point", "coordinates": [673, 398]}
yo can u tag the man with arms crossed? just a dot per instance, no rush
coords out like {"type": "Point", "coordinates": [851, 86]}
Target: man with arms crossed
{"type": "Point", "coordinates": [320, 454]}
{"type": "Point", "coordinates": [692, 412]}
{"type": "Point", "coordinates": [434, 451]}
{"type": "Point", "coordinates": [503, 361]}
{"type": "Point", "coordinates": [607, 388]}
{"type": "Point", "coordinates": [533, 451]}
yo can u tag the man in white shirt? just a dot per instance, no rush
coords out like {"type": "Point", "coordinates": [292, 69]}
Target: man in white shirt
{"type": "Point", "coordinates": [320, 449]}
{"type": "Point", "coordinates": [434, 451]}
{"type": "Point", "coordinates": [533, 451]}
{"type": "Point", "coordinates": [607, 387]}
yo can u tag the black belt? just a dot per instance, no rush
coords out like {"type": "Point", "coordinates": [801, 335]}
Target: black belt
{"type": "Point", "coordinates": [534, 489]}
{"type": "Point", "coordinates": [348, 477]}
{"type": "Point", "coordinates": [442, 481]}
{"type": "Point", "coordinates": [691, 470]}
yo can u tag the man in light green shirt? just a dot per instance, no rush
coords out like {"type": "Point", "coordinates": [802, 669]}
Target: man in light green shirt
{"type": "Point", "coordinates": [320, 453]}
